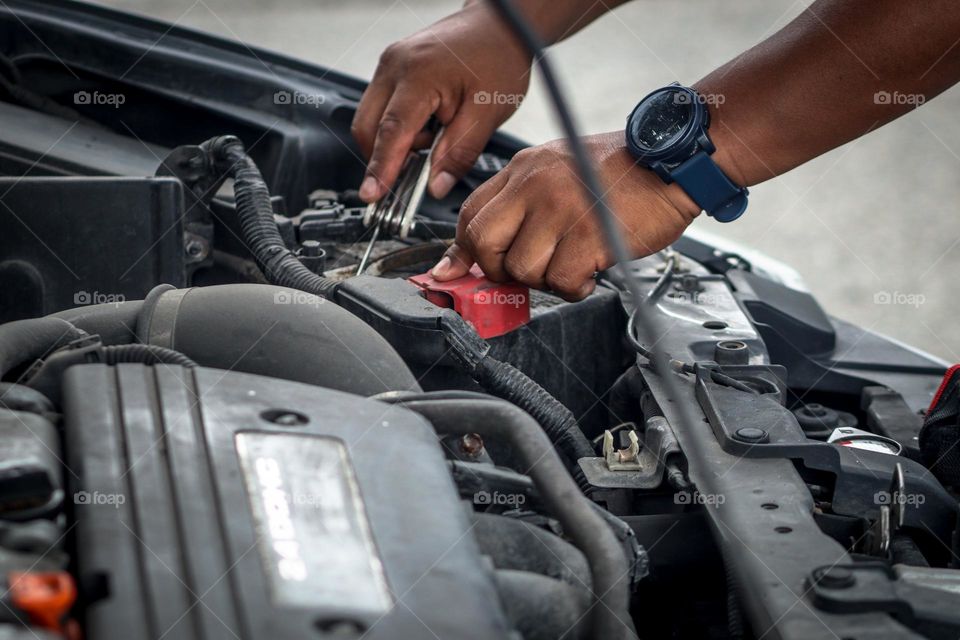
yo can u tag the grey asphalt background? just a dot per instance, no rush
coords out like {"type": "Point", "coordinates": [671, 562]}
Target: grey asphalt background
{"type": "Point", "coordinates": [873, 227]}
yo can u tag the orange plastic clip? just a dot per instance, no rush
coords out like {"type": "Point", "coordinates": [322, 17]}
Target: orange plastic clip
{"type": "Point", "coordinates": [45, 597]}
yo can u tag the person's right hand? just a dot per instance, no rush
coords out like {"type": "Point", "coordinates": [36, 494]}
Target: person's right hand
{"type": "Point", "coordinates": [467, 70]}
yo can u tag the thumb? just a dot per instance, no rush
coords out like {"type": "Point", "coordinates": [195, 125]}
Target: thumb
{"type": "Point", "coordinates": [455, 263]}
{"type": "Point", "coordinates": [463, 140]}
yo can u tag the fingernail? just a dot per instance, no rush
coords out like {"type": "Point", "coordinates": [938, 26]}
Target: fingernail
{"type": "Point", "coordinates": [442, 184]}
{"type": "Point", "coordinates": [442, 267]}
{"type": "Point", "coordinates": [368, 189]}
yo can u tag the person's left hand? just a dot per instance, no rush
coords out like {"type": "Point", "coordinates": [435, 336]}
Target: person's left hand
{"type": "Point", "coordinates": [533, 223]}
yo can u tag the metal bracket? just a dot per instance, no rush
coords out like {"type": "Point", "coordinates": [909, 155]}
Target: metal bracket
{"type": "Point", "coordinates": [873, 587]}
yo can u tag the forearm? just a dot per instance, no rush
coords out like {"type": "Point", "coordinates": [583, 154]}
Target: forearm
{"type": "Point", "coordinates": [840, 70]}
{"type": "Point", "coordinates": [555, 20]}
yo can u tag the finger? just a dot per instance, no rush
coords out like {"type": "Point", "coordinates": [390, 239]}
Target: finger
{"type": "Point", "coordinates": [480, 197]}
{"type": "Point", "coordinates": [463, 140]}
{"type": "Point", "coordinates": [530, 254]}
{"type": "Point", "coordinates": [491, 232]}
{"type": "Point", "coordinates": [572, 267]}
{"type": "Point", "coordinates": [457, 260]}
{"type": "Point", "coordinates": [455, 263]}
{"type": "Point", "coordinates": [372, 103]}
{"type": "Point", "coordinates": [402, 119]}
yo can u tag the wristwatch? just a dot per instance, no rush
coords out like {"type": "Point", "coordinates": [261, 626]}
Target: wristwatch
{"type": "Point", "coordinates": [667, 133]}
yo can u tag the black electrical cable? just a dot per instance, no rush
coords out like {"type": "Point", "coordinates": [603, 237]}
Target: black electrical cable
{"type": "Point", "coordinates": [669, 269]}
{"type": "Point", "coordinates": [257, 225]}
{"type": "Point", "coordinates": [678, 365]}
{"type": "Point", "coordinates": [143, 353]}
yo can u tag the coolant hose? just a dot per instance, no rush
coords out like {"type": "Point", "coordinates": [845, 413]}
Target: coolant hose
{"type": "Point", "coordinates": [23, 341]}
{"type": "Point", "coordinates": [114, 322]}
{"type": "Point", "coordinates": [496, 419]}
{"type": "Point", "coordinates": [257, 225]}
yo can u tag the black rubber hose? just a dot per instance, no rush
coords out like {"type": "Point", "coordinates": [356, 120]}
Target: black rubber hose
{"type": "Point", "coordinates": [144, 353]}
{"type": "Point", "coordinates": [115, 323]}
{"type": "Point", "coordinates": [520, 546]}
{"type": "Point", "coordinates": [255, 215]}
{"type": "Point", "coordinates": [610, 615]}
{"type": "Point", "coordinates": [23, 341]}
{"type": "Point", "coordinates": [542, 608]}
{"type": "Point", "coordinates": [506, 381]}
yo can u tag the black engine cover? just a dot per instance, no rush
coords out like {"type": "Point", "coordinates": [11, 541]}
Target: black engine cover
{"type": "Point", "coordinates": [212, 504]}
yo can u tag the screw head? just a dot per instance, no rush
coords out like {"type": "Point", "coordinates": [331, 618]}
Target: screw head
{"type": "Point", "coordinates": [751, 435]}
{"type": "Point", "coordinates": [471, 444]}
{"type": "Point", "coordinates": [834, 577]}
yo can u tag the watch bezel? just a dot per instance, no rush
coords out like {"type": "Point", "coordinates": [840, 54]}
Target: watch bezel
{"type": "Point", "coordinates": [683, 145]}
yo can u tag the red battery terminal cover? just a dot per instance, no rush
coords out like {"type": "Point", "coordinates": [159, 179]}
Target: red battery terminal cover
{"type": "Point", "coordinates": [493, 308]}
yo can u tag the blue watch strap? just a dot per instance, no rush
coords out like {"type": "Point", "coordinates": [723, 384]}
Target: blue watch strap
{"type": "Point", "coordinates": [707, 185]}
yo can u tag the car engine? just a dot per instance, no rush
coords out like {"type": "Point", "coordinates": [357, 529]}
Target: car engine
{"type": "Point", "coordinates": [218, 424]}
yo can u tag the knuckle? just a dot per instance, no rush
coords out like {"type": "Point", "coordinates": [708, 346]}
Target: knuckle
{"type": "Point", "coordinates": [475, 234]}
{"type": "Point", "coordinates": [391, 126]}
{"type": "Point", "coordinates": [392, 53]}
{"type": "Point", "coordinates": [563, 281]}
{"type": "Point", "coordinates": [359, 133]}
{"type": "Point", "coordinates": [419, 51]}
{"type": "Point", "coordinates": [461, 158]}
{"type": "Point", "coordinates": [522, 268]}
{"type": "Point", "coordinates": [523, 156]}
{"type": "Point", "coordinates": [470, 207]}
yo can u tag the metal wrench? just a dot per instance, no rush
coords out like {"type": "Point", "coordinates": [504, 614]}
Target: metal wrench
{"type": "Point", "coordinates": [393, 214]}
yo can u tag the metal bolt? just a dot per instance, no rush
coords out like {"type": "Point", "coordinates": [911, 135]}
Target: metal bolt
{"type": "Point", "coordinates": [689, 283]}
{"type": "Point", "coordinates": [731, 352]}
{"type": "Point", "coordinates": [834, 577]}
{"type": "Point", "coordinates": [751, 435]}
{"type": "Point", "coordinates": [471, 444]}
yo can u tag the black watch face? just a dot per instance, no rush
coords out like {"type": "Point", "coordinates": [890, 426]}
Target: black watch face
{"type": "Point", "coordinates": [662, 118]}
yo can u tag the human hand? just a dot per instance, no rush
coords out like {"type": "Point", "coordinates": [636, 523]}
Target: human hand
{"type": "Point", "coordinates": [532, 221]}
{"type": "Point", "coordinates": [467, 70]}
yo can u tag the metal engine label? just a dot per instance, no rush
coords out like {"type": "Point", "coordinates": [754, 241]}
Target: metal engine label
{"type": "Point", "coordinates": [312, 530]}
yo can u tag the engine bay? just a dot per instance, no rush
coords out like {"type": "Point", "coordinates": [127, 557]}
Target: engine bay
{"type": "Point", "coordinates": [217, 428]}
